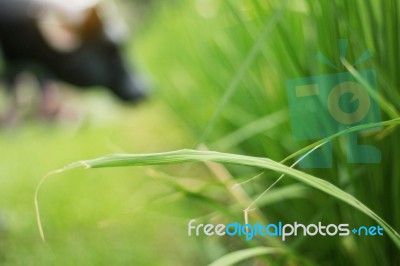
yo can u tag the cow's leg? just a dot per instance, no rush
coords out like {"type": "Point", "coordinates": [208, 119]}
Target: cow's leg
{"type": "Point", "coordinates": [49, 106]}
{"type": "Point", "coordinates": [11, 115]}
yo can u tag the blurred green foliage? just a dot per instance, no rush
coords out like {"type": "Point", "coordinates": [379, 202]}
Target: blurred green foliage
{"type": "Point", "coordinates": [219, 70]}
{"type": "Point", "coordinates": [98, 218]}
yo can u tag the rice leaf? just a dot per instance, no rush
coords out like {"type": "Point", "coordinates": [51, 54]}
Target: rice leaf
{"type": "Point", "coordinates": [185, 156]}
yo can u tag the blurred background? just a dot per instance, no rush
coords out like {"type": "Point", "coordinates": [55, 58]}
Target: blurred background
{"type": "Point", "coordinates": [218, 72]}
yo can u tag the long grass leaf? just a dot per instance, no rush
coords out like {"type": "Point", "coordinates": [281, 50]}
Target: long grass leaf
{"type": "Point", "coordinates": [184, 156]}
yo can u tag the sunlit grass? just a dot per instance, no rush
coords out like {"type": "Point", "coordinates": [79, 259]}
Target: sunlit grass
{"type": "Point", "coordinates": [94, 219]}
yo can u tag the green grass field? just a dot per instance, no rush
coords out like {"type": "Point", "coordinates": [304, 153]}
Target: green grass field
{"type": "Point", "coordinates": [91, 218]}
{"type": "Point", "coordinates": [219, 70]}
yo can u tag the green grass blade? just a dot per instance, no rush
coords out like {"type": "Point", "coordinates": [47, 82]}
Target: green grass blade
{"type": "Point", "coordinates": [257, 47]}
{"type": "Point", "coordinates": [184, 156]}
{"type": "Point", "coordinates": [385, 105]}
{"type": "Point", "coordinates": [364, 127]}
{"type": "Point", "coordinates": [250, 130]}
{"type": "Point", "coordinates": [240, 255]}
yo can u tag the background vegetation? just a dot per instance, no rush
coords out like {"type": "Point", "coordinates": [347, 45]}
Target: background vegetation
{"type": "Point", "coordinates": [219, 70]}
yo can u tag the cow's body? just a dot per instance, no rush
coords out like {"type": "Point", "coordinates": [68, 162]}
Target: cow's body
{"type": "Point", "coordinates": [92, 60]}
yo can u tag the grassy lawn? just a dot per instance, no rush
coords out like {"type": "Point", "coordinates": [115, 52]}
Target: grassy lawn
{"type": "Point", "coordinates": [91, 217]}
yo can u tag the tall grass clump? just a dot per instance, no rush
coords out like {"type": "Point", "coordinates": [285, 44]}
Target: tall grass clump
{"type": "Point", "coordinates": [222, 66]}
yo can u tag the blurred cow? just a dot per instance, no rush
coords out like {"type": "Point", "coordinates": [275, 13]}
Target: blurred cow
{"type": "Point", "coordinates": [69, 41]}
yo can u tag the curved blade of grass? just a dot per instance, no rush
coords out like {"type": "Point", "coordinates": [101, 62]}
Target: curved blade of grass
{"type": "Point", "coordinates": [392, 122]}
{"type": "Point", "coordinates": [250, 130]}
{"type": "Point", "coordinates": [295, 191]}
{"type": "Point", "coordinates": [240, 255]}
{"type": "Point", "coordinates": [383, 103]}
{"type": "Point", "coordinates": [185, 156]}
